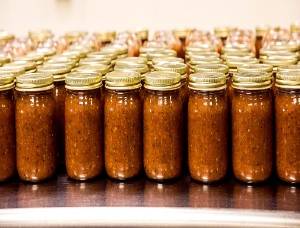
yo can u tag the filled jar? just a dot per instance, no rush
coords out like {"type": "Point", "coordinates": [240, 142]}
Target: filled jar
{"type": "Point", "coordinates": [123, 131]}
{"type": "Point", "coordinates": [35, 127]}
{"type": "Point", "coordinates": [83, 126]}
{"type": "Point", "coordinates": [59, 72]}
{"type": "Point", "coordinates": [7, 127]}
{"type": "Point", "coordinates": [163, 113]}
{"type": "Point", "coordinates": [207, 126]}
{"type": "Point", "coordinates": [252, 126]}
{"type": "Point", "coordinates": [287, 122]}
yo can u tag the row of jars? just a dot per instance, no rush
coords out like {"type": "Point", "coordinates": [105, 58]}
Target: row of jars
{"type": "Point", "coordinates": [147, 128]}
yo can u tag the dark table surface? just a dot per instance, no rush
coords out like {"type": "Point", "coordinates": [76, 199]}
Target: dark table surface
{"type": "Point", "coordinates": [101, 192]}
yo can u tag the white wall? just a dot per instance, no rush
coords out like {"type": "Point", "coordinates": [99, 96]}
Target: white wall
{"type": "Point", "coordinates": [18, 16]}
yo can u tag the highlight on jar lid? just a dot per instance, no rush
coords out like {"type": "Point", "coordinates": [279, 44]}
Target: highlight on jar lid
{"type": "Point", "coordinates": [290, 68]}
{"type": "Point", "coordinates": [236, 55]}
{"type": "Point", "coordinates": [47, 52]}
{"type": "Point", "coordinates": [168, 59]}
{"type": "Point", "coordinates": [98, 58]}
{"type": "Point", "coordinates": [99, 69]}
{"type": "Point", "coordinates": [213, 60]}
{"type": "Point", "coordinates": [219, 68]}
{"type": "Point", "coordinates": [277, 61]}
{"type": "Point", "coordinates": [180, 68]}
{"type": "Point", "coordinates": [28, 65]}
{"type": "Point", "coordinates": [34, 82]}
{"type": "Point", "coordinates": [15, 70]}
{"type": "Point", "coordinates": [295, 27]}
{"type": "Point", "coordinates": [57, 71]}
{"type": "Point", "coordinates": [207, 81]}
{"type": "Point", "coordinates": [7, 81]}
{"type": "Point", "coordinates": [60, 61]}
{"type": "Point", "coordinates": [200, 47]}
{"type": "Point", "coordinates": [83, 50]}
{"type": "Point", "coordinates": [128, 60]}
{"type": "Point", "coordinates": [285, 46]}
{"type": "Point", "coordinates": [229, 50]}
{"type": "Point", "coordinates": [256, 67]}
{"type": "Point", "coordinates": [252, 80]}
{"type": "Point", "coordinates": [288, 79]}
{"type": "Point", "coordinates": [83, 81]}
{"type": "Point", "coordinates": [123, 80]}
{"type": "Point", "coordinates": [151, 49]}
{"type": "Point", "coordinates": [159, 53]}
{"type": "Point", "coordinates": [139, 67]}
{"type": "Point", "coordinates": [107, 36]}
{"type": "Point", "coordinates": [212, 55]}
{"type": "Point", "coordinates": [162, 80]}
{"type": "Point", "coordinates": [38, 58]}
{"type": "Point", "coordinates": [116, 48]}
{"type": "Point", "coordinates": [104, 53]}
{"type": "Point", "coordinates": [74, 55]}
{"type": "Point", "coordinates": [91, 61]}
{"type": "Point", "coordinates": [234, 63]}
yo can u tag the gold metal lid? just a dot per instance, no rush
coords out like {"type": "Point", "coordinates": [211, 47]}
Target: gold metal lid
{"type": "Point", "coordinates": [252, 80]}
{"type": "Point", "coordinates": [91, 61]}
{"type": "Point", "coordinates": [194, 48]}
{"type": "Point", "coordinates": [116, 48]}
{"type": "Point", "coordinates": [4, 59]}
{"type": "Point", "coordinates": [151, 49]}
{"type": "Point", "coordinates": [181, 33]}
{"type": "Point", "coordinates": [234, 63]}
{"type": "Point", "coordinates": [57, 71]}
{"type": "Point", "coordinates": [34, 82]}
{"type": "Point", "coordinates": [15, 70]}
{"type": "Point", "coordinates": [142, 34]}
{"type": "Point", "coordinates": [278, 61]}
{"type": "Point", "coordinates": [219, 68]}
{"type": "Point", "coordinates": [74, 55]}
{"type": "Point", "coordinates": [139, 60]}
{"type": "Point", "coordinates": [107, 36]}
{"type": "Point", "coordinates": [167, 59]}
{"type": "Point", "coordinates": [123, 80]}
{"type": "Point", "coordinates": [236, 50]}
{"type": "Point", "coordinates": [104, 53]}
{"type": "Point", "coordinates": [28, 65]}
{"type": "Point", "coordinates": [256, 67]}
{"type": "Point", "coordinates": [99, 69]}
{"type": "Point", "coordinates": [83, 81]}
{"type": "Point", "coordinates": [180, 68]}
{"type": "Point", "coordinates": [288, 78]}
{"type": "Point", "coordinates": [207, 81]}
{"type": "Point", "coordinates": [139, 67]}
{"type": "Point", "coordinates": [194, 62]}
{"type": "Point", "coordinates": [7, 81]}
{"type": "Point", "coordinates": [157, 54]}
{"type": "Point", "coordinates": [162, 80]}
{"type": "Point", "coordinates": [61, 61]}
{"type": "Point", "coordinates": [261, 30]}
{"type": "Point", "coordinates": [38, 58]}
{"type": "Point", "coordinates": [295, 27]}
{"type": "Point", "coordinates": [190, 55]}
{"type": "Point", "coordinates": [221, 32]}
{"type": "Point", "coordinates": [47, 52]}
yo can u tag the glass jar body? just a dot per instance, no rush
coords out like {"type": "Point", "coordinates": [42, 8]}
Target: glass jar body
{"type": "Point", "coordinates": [123, 133]}
{"type": "Point", "coordinates": [7, 135]}
{"type": "Point", "coordinates": [252, 134]}
{"type": "Point", "coordinates": [163, 113]}
{"type": "Point", "coordinates": [84, 134]}
{"type": "Point", "coordinates": [287, 122]}
{"type": "Point", "coordinates": [35, 135]}
{"type": "Point", "coordinates": [207, 135]}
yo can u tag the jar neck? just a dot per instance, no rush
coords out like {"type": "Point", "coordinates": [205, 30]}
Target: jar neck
{"type": "Point", "coordinates": [162, 92]}
{"type": "Point", "coordinates": [243, 91]}
{"type": "Point", "coordinates": [217, 92]}
{"type": "Point", "coordinates": [123, 91]}
{"type": "Point", "coordinates": [79, 92]}
{"type": "Point", "coordinates": [44, 92]}
{"type": "Point", "coordinates": [286, 90]}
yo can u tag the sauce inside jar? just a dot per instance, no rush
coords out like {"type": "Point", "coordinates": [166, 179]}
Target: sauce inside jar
{"type": "Point", "coordinates": [7, 127]}
{"type": "Point", "coordinates": [287, 112]}
{"type": "Point", "coordinates": [59, 72]}
{"type": "Point", "coordinates": [35, 130]}
{"type": "Point", "coordinates": [163, 112]}
{"type": "Point", "coordinates": [252, 126]}
{"type": "Point", "coordinates": [83, 126]}
{"type": "Point", "coordinates": [207, 126]}
{"type": "Point", "coordinates": [123, 125]}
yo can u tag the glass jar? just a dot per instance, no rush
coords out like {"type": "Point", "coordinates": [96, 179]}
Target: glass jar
{"type": "Point", "coordinates": [59, 72]}
{"type": "Point", "coordinates": [207, 126]}
{"type": "Point", "coordinates": [83, 126]}
{"type": "Point", "coordinates": [7, 127]}
{"type": "Point", "coordinates": [252, 126]}
{"type": "Point", "coordinates": [163, 113]}
{"type": "Point", "coordinates": [123, 132]}
{"type": "Point", "coordinates": [287, 112]}
{"type": "Point", "coordinates": [35, 127]}
{"type": "Point", "coordinates": [260, 33]}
